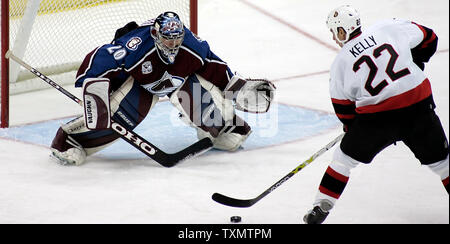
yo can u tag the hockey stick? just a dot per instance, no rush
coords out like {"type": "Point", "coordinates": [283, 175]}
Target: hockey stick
{"type": "Point", "coordinates": [165, 159]}
{"type": "Point", "coordinates": [245, 203]}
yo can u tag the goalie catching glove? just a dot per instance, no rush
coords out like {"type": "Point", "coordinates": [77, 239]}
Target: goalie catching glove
{"type": "Point", "coordinates": [251, 95]}
{"type": "Point", "coordinates": [97, 112]}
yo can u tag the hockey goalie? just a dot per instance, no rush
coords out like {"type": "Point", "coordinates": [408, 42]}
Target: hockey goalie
{"type": "Point", "coordinates": [123, 80]}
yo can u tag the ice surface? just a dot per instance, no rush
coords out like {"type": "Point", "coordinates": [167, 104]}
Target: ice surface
{"type": "Point", "coordinates": [121, 186]}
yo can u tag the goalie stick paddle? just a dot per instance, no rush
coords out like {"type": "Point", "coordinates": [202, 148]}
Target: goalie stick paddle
{"type": "Point", "coordinates": [245, 203]}
{"type": "Point", "coordinates": [164, 159]}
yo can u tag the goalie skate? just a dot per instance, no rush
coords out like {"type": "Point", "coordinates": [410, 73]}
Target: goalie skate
{"type": "Point", "coordinates": [73, 156]}
{"type": "Point", "coordinates": [65, 150]}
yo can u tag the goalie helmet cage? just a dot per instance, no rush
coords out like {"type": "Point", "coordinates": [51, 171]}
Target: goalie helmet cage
{"type": "Point", "coordinates": [55, 35]}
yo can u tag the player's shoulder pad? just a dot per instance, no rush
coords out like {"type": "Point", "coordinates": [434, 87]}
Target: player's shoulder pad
{"type": "Point", "coordinates": [196, 44]}
{"type": "Point", "coordinates": [134, 46]}
{"type": "Point", "coordinates": [96, 63]}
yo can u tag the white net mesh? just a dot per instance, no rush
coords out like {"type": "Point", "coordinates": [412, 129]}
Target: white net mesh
{"type": "Point", "coordinates": [64, 31]}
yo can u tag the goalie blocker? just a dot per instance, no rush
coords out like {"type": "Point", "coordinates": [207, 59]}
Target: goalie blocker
{"type": "Point", "coordinates": [97, 113]}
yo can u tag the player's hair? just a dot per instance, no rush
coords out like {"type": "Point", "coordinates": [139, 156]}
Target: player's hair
{"type": "Point", "coordinates": [347, 18]}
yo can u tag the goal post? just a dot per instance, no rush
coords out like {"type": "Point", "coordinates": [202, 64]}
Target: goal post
{"type": "Point", "coordinates": [4, 85]}
{"type": "Point", "coordinates": [55, 35]}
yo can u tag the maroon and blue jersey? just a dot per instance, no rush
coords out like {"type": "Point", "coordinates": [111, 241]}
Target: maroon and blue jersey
{"type": "Point", "coordinates": [135, 54]}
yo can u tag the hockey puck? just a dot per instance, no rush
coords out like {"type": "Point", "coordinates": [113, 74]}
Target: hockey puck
{"type": "Point", "coordinates": [235, 219]}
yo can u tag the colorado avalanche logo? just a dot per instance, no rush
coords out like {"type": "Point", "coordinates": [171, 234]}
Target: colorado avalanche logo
{"type": "Point", "coordinates": [147, 68]}
{"type": "Point", "coordinates": [165, 85]}
{"type": "Point", "coordinates": [133, 43]}
{"type": "Point", "coordinates": [170, 27]}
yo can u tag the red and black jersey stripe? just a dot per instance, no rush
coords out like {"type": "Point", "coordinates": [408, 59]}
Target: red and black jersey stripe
{"type": "Point", "coordinates": [426, 49]}
{"type": "Point", "coordinates": [345, 110]}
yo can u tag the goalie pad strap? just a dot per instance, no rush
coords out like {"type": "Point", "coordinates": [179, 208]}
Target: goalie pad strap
{"type": "Point", "coordinates": [97, 112]}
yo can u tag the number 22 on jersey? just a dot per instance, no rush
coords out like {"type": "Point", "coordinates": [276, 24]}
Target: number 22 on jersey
{"type": "Point", "coordinates": [373, 69]}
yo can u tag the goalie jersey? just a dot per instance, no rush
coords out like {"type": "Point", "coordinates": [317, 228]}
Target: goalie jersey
{"type": "Point", "coordinates": [135, 54]}
{"type": "Point", "coordinates": [381, 69]}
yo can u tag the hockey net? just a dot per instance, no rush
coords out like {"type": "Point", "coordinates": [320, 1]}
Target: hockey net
{"type": "Point", "coordinates": [55, 35]}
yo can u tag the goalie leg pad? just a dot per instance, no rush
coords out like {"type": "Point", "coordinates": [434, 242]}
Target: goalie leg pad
{"type": "Point", "coordinates": [97, 111]}
{"type": "Point", "coordinates": [232, 137]}
{"type": "Point", "coordinates": [74, 134]}
{"type": "Point", "coordinates": [66, 150]}
{"type": "Point", "coordinates": [129, 105]}
{"type": "Point", "coordinates": [202, 105]}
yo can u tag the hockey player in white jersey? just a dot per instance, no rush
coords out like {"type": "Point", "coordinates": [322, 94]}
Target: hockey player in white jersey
{"type": "Point", "coordinates": [381, 94]}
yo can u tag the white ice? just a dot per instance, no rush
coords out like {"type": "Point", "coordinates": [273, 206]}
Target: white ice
{"type": "Point", "coordinates": [394, 188]}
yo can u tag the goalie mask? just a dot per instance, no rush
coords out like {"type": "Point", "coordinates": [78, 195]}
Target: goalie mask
{"type": "Point", "coordinates": [168, 33]}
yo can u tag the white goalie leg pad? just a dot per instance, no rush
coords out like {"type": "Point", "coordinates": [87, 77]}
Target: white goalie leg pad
{"type": "Point", "coordinates": [225, 106]}
{"type": "Point", "coordinates": [77, 154]}
{"type": "Point", "coordinates": [232, 137]}
{"type": "Point", "coordinates": [118, 96]}
{"type": "Point", "coordinates": [115, 99]}
{"type": "Point", "coordinates": [175, 100]}
{"type": "Point", "coordinates": [66, 150]}
{"type": "Point", "coordinates": [97, 112]}
{"type": "Point", "coordinates": [226, 141]}
{"type": "Point", "coordinates": [75, 126]}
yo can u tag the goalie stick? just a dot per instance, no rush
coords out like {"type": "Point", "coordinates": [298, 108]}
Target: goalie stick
{"type": "Point", "coordinates": [245, 203]}
{"type": "Point", "coordinates": [164, 159]}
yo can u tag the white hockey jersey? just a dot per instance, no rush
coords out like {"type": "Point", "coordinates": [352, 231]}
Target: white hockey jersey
{"type": "Point", "coordinates": [375, 71]}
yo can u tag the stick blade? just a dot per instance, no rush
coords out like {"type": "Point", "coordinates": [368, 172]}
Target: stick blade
{"type": "Point", "coordinates": [233, 202]}
{"type": "Point", "coordinates": [194, 150]}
